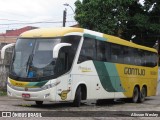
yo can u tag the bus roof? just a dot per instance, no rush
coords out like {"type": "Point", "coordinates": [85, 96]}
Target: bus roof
{"type": "Point", "coordinates": [50, 32]}
{"type": "Point", "coordinates": [57, 32]}
{"type": "Point", "coordinates": [117, 40]}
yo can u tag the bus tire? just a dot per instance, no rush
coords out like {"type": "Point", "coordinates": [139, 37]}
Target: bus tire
{"type": "Point", "coordinates": [135, 95]}
{"type": "Point", "coordinates": [39, 103]}
{"type": "Point", "coordinates": [142, 94]}
{"type": "Point", "coordinates": [78, 97]}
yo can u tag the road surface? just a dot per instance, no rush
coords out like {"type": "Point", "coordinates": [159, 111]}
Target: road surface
{"type": "Point", "coordinates": [89, 109]}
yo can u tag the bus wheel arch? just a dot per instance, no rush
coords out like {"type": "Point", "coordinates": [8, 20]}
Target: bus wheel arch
{"type": "Point", "coordinates": [80, 94]}
{"type": "Point", "coordinates": [84, 91]}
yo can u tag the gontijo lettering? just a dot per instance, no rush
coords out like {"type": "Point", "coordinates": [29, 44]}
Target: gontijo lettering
{"type": "Point", "coordinates": [134, 71]}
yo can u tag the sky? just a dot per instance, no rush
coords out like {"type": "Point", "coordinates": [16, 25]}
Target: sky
{"type": "Point", "coordinates": [15, 14]}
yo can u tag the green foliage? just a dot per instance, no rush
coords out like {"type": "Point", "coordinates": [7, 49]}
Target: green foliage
{"type": "Point", "coordinates": [144, 23]}
{"type": "Point", "coordinates": [123, 18]}
{"type": "Point", "coordinates": [3, 93]}
{"type": "Point", "coordinates": [102, 15]}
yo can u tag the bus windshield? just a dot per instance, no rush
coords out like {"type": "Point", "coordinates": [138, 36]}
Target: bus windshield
{"type": "Point", "coordinates": [33, 58]}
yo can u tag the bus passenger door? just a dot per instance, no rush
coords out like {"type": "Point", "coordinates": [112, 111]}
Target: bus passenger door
{"type": "Point", "coordinates": [62, 67]}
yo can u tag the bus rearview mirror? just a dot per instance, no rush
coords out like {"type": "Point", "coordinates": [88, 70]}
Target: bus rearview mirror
{"type": "Point", "coordinates": [58, 47]}
{"type": "Point", "coordinates": [3, 50]}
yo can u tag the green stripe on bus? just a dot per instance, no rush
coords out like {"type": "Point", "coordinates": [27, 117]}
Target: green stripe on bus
{"type": "Point", "coordinates": [40, 84]}
{"type": "Point", "coordinates": [108, 76]}
{"type": "Point", "coordinates": [104, 76]}
{"type": "Point", "coordinates": [95, 37]}
{"type": "Point", "coordinates": [114, 76]}
{"type": "Point", "coordinates": [37, 84]}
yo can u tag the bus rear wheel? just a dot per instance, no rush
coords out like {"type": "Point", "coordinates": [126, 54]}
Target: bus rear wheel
{"type": "Point", "coordinates": [78, 97]}
{"type": "Point", "coordinates": [142, 94]}
{"type": "Point", "coordinates": [39, 103]}
{"type": "Point", "coordinates": [135, 95]}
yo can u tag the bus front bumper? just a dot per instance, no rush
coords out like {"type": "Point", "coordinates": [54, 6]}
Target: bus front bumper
{"type": "Point", "coordinates": [42, 95]}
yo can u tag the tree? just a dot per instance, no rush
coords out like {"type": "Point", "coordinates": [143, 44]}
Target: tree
{"type": "Point", "coordinates": [107, 16]}
{"type": "Point", "coordinates": [143, 26]}
{"type": "Point", "coordinates": [127, 19]}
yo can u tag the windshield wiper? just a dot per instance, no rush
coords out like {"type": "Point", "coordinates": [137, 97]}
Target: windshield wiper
{"type": "Point", "coordinates": [29, 61]}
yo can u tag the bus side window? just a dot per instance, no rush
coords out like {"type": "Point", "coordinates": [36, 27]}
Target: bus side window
{"type": "Point", "coordinates": [114, 58]}
{"type": "Point", "coordinates": [101, 51]}
{"type": "Point", "coordinates": [127, 60]}
{"type": "Point", "coordinates": [155, 59]}
{"type": "Point", "coordinates": [126, 55]}
{"type": "Point", "coordinates": [107, 52]}
{"type": "Point", "coordinates": [88, 50]}
{"type": "Point", "coordinates": [151, 59]}
{"type": "Point", "coordinates": [117, 54]}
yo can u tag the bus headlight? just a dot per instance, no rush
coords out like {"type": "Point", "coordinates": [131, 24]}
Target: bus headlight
{"type": "Point", "coordinates": [50, 85]}
{"type": "Point", "coordinates": [46, 95]}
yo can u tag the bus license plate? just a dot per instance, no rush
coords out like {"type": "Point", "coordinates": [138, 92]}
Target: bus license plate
{"type": "Point", "coordinates": [25, 95]}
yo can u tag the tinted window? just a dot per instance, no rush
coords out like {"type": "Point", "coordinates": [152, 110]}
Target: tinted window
{"type": "Point", "coordinates": [101, 48]}
{"type": "Point", "coordinates": [137, 55]}
{"type": "Point", "coordinates": [127, 55]}
{"type": "Point", "coordinates": [108, 52]}
{"type": "Point", "coordinates": [151, 59]}
{"type": "Point", "coordinates": [116, 53]}
{"type": "Point", "coordinates": [66, 54]}
{"type": "Point", "coordinates": [88, 50]}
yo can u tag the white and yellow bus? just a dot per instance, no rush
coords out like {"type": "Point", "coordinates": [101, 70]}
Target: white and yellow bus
{"type": "Point", "coordinates": [74, 64]}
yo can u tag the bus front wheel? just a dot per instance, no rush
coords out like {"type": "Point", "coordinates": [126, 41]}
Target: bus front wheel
{"type": "Point", "coordinates": [135, 95]}
{"type": "Point", "coordinates": [78, 97]}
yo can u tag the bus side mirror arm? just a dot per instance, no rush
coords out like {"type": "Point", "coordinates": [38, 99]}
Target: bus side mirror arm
{"type": "Point", "coordinates": [58, 47]}
{"type": "Point", "coordinates": [3, 50]}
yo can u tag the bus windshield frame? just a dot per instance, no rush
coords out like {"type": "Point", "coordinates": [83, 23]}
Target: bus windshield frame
{"type": "Point", "coordinates": [33, 58]}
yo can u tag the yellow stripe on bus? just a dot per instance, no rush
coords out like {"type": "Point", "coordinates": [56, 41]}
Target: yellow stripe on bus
{"type": "Point", "coordinates": [18, 84]}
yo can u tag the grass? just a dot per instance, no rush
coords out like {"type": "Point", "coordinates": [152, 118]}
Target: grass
{"type": "Point", "coordinates": [3, 93]}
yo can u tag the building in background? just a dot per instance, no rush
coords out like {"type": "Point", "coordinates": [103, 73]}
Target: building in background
{"type": "Point", "coordinates": [11, 35]}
